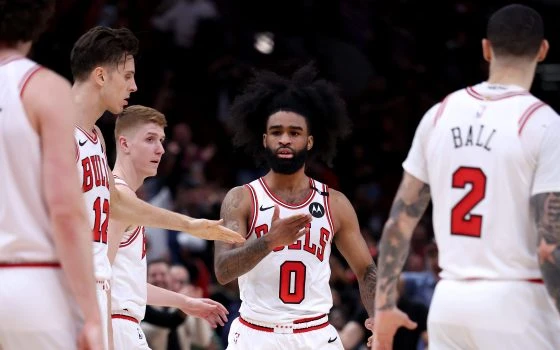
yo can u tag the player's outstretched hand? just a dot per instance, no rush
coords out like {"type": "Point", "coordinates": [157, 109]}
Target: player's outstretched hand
{"type": "Point", "coordinates": [213, 230]}
{"type": "Point", "coordinates": [212, 311]}
{"type": "Point", "coordinates": [385, 325]}
{"type": "Point", "coordinates": [285, 231]}
{"type": "Point", "coordinates": [91, 337]}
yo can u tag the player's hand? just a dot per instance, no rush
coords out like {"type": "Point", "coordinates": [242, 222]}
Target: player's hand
{"type": "Point", "coordinates": [287, 230]}
{"type": "Point", "coordinates": [213, 230]}
{"type": "Point", "coordinates": [91, 336]}
{"type": "Point", "coordinates": [369, 325]}
{"type": "Point", "coordinates": [385, 325]}
{"type": "Point", "coordinates": [212, 311]}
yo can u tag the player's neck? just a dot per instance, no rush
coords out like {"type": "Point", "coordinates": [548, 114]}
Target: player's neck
{"type": "Point", "coordinates": [287, 183]}
{"type": "Point", "coordinates": [20, 49]}
{"type": "Point", "coordinates": [512, 73]}
{"type": "Point", "coordinates": [127, 172]}
{"type": "Point", "coordinates": [89, 105]}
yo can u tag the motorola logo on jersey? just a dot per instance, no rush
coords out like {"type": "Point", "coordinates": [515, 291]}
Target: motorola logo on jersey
{"type": "Point", "coordinates": [317, 210]}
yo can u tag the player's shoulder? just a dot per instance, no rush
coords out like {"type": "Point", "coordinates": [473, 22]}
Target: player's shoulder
{"type": "Point", "coordinates": [437, 108]}
{"type": "Point", "coordinates": [237, 197]}
{"type": "Point", "coordinates": [41, 79]}
{"type": "Point", "coordinates": [536, 116]}
{"type": "Point", "coordinates": [337, 199]}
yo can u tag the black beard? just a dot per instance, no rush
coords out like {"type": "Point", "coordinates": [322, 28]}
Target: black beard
{"type": "Point", "coordinates": [286, 166]}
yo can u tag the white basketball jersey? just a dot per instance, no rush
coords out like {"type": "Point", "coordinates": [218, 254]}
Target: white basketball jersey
{"type": "Point", "coordinates": [25, 230]}
{"type": "Point", "coordinates": [291, 282]}
{"type": "Point", "coordinates": [128, 289]}
{"type": "Point", "coordinates": [93, 171]}
{"type": "Point", "coordinates": [478, 150]}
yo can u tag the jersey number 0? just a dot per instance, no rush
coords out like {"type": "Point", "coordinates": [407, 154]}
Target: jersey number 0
{"type": "Point", "coordinates": [463, 222]}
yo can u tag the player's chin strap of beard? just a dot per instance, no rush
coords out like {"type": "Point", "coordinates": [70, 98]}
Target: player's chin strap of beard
{"type": "Point", "coordinates": [322, 193]}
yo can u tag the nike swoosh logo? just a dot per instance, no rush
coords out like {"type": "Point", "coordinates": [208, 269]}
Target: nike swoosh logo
{"type": "Point", "coordinates": [82, 143]}
{"type": "Point", "coordinates": [333, 340]}
{"type": "Point", "coordinates": [263, 209]}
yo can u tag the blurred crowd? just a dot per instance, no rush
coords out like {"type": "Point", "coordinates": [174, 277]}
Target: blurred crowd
{"type": "Point", "coordinates": [391, 60]}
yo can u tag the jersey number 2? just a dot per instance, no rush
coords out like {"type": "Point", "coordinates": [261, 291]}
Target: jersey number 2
{"type": "Point", "coordinates": [100, 229]}
{"type": "Point", "coordinates": [463, 222]}
{"type": "Point", "coordinates": [292, 282]}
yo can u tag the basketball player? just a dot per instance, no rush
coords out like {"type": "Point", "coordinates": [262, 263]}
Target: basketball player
{"type": "Point", "coordinates": [139, 135]}
{"type": "Point", "coordinates": [102, 63]}
{"type": "Point", "coordinates": [289, 219]}
{"type": "Point", "coordinates": [484, 154]}
{"type": "Point", "coordinates": [45, 256]}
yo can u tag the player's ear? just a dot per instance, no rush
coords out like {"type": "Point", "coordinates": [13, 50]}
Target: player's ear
{"type": "Point", "coordinates": [309, 142]}
{"type": "Point", "coordinates": [486, 50]}
{"type": "Point", "coordinates": [543, 50]}
{"type": "Point", "coordinates": [123, 144]}
{"type": "Point", "coordinates": [99, 75]}
{"type": "Point", "coordinates": [264, 140]}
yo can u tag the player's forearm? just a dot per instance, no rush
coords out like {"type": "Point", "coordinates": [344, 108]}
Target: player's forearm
{"type": "Point", "coordinates": [73, 243]}
{"type": "Point", "coordinates": [546, 208]}
{"type": "Point", "coordinates": [131, 210]}
{"type": "Point", "coordinates": [230, 264]}
{"type": "Point", "coordinates": [393, 251]}
{"type": "Point", "coordinates": [411, 201]}
{"type": "Point", "coordinates": [367, 284]}
{"type": "Point", "coordinates": [162, 297]}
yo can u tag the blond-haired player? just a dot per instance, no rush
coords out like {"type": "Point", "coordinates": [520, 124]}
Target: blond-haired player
{"type": "Point", "coordinates": [139, 133]}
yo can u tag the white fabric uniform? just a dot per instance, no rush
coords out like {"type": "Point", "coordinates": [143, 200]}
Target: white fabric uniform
{"type": "Point", "coordinates": [37, 310]}
{"type": "Point", "coordinates": [484, 151]}
{"type": "Point", "coordinates": [289, 288]}
{"type": "Point", "coordinates": [93, 171]}
{"type": "Point", "coordinates": [128, 289]}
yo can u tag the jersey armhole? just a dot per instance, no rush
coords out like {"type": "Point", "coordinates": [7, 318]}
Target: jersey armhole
{"type": "Point", "coordinates": [27, 77]}
{"type": "Point", "coordinates": [326, 200]}
{"type": "Point", "coordinates": [254, 210]}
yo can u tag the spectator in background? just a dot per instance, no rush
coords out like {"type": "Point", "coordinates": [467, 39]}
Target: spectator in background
{"type": "Point", "coordinates": [419, 286]}
{"type": "Point", "coordinates": [159, 321]}
{"type": "Point", "coordinates": [194, 333]}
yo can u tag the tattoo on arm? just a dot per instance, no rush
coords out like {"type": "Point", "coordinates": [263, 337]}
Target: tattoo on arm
{"type": "Point", "coordinates": [395, 242]}
{"type": "Point", "coordinates": [232, 261]}
{"type": "Point", "coordinates": [546, 210]}
{"type": "Point", "coordinates": [367, 289]}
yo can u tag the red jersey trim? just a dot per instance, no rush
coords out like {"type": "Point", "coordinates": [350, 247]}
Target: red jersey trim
{"type": "Point", "coordinates": [286, 205]}
{"type": "Point", "coordinates": [328, 207]}
{"type": "Point", "coordinates": [27, 76]}
{"type": "Point", "coordinates": [77, 151]}
{"type": "Point", "coordinates": [125, 317]}
{"type": "Point", "coordinates": [528, 114]}
{"type": "Point", "coordinates": [35, 264]}
{"type": "Point", "coordinates": [254, 210]}
{"type": "Point", "coordinates": [440, 110]}
{"type": "Point", "coordinates": [93, 138]}
{"type": "Point", "coordinates": [473, 93]}
{"type": "Point", "coordinates": [131, 238]}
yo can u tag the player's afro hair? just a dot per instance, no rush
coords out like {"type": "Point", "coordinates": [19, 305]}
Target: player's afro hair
{"type": "Point", "coordinates": [315, 99]}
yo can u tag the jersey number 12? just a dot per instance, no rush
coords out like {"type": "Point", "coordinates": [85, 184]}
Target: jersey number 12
{"type": "Point", "coordinates": [463, 222]}
{"type": "Point", "coordinates": [100, 228]}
